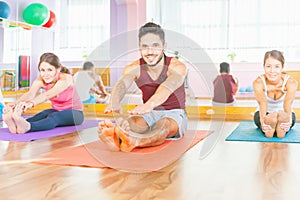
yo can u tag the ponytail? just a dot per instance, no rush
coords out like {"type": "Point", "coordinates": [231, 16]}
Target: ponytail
{"type": "Point", "coordinates": [65, 70]}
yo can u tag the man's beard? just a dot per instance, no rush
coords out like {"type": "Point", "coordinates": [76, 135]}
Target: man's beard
{"type": "Point", "coordinates": [152, 65]}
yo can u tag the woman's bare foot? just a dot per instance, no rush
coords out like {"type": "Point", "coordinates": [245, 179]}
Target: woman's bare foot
{"type": "Point", "coordinates": [23, 126]}
{"type": "Point", "coordinates": [271, 120]}
{"type": "Point", "coordinates": [106, 132]}
{"type": "Point", "coordinates": [282, 118]}
{"type": "Point", "coordinates": [128, 141]}
{"type": "Point", "coordinates": [8, 119]}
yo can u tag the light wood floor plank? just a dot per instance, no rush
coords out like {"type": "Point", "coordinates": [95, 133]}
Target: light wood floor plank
{"type": "Point", "coordinates": [232, 170]}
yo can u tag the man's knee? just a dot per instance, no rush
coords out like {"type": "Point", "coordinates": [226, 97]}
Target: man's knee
{"type": "Point", "coordinates": [138, 124]}
{"type": "Point", "coordinates": [169, 124]}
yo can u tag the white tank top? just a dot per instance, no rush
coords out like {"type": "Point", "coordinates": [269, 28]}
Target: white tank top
{"type": "Point", "coordinates": [83, 83]}
{"type": "Point", "coordinates": [275, 105]}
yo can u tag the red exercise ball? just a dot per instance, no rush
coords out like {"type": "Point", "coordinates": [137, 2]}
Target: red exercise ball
{"type": "Point", "coordinates": [51, 20]}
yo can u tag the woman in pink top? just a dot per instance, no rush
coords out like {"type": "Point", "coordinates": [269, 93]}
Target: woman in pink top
{"type": "Point", "coordinates": [58, 84]}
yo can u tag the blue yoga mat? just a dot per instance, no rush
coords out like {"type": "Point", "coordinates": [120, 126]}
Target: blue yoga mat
{"type": "Point", "coordinates": [248, 131]}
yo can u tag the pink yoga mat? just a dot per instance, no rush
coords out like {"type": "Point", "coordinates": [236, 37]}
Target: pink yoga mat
{"type": "Point", "coordinates": [30, 136]}
{"type": "Point", "coordinates": [96, 154]}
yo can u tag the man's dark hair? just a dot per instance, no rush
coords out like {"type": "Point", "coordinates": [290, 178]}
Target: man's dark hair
{"type": "Point", "coordinates": [87, 65]}
{"type": "Point", "coordinates": [153, 28]}
{"type": "Point", "coordinates": [224, 67]}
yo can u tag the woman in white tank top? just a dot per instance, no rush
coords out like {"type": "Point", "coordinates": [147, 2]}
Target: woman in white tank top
{"type": "Point", "coordinates": [275, 92]}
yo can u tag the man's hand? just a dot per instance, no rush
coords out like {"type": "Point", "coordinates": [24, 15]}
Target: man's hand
{"type": "Point", "coordinates": [141, 109]}
{"type": "Point", "coordinates": [113, 108]}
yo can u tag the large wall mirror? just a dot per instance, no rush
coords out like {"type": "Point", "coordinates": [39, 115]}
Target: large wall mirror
{"type": "Point", "coordinates": [20, 22]}
{"type": "Point", "coordinates": [15, 62]}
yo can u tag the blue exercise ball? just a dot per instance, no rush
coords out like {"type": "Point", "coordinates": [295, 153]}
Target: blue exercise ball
{"type": "Point", "coordinates": [249, 89]}
{"type": "Point", "coordinates": [4, 10]}
{"type": "Point", "coordinates": [242, 89]}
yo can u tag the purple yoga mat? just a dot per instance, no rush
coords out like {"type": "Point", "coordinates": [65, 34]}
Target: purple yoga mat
{"type": "Point", "coordinates": [30, 136]}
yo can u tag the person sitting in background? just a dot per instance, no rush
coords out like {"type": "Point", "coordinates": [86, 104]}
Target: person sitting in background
{"type": "Point", "coordinates": [1, 97]}
{"type": "Point", "coordinates": [225, 87]}
{"type": "Point", "coordinates": [57, 82]}
{"type": "Point", "coordinates": [85, 82]}
{"type": "Point", "coordinates": [275, 92]}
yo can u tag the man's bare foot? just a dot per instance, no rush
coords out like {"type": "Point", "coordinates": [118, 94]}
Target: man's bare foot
{"type": "Point", "coordinates": [282, 118]}
{"type": "Point", "coordinates": [9, 121]}
{"type": "Point", "coordinates": [106, 132]}
{"type": "Point", "coordinates": [128, 141]}
{"type": "Point", "coordinates": [23, 126]}
{"type": "Point", "coordinates": [271, 119]}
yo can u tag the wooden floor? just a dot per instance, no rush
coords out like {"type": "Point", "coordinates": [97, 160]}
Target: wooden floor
{"type": "Point", "coordinates": [214, 169]}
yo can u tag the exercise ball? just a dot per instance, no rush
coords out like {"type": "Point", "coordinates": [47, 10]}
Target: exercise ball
{"type": "Point", "coordinates": [51, 20]}
{"type": "Point", "coordinates": [1, 110]}
{"type": "Point", "coordinates": [242, 89]}
{"type": "Point", "coordinates": [4, 10]}
{"type": "Point", "coordinates": [36, 14]}
{"type": "Point", "coordinates": [249, 89]}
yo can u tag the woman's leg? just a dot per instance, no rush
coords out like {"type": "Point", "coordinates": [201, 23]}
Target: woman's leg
{"type": "Point", "coordinates": [257, 119]}
{"type": "Point", "coordinates": [271, 120]}
{"type": "Point", "coordinates": [22, 125]}
{"type": "Point", "coordinates": [282, 118]}
{"type": "Point", "coordinates": [41, 115]}
{"type": "Point", "coordinates": [58, 118]}
{"type": "Point", "coordinates": [8, 119]}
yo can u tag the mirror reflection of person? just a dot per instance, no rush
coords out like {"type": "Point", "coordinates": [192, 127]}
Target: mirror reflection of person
{"type": "Point", "coordinates": [59, 88]}
{"type": "Point", "coordinates": [273, 169]}
{"type": "Point", "coordinates": [275, 92]}
{"type": "Point", "coordinates": [89, 85]}
{"type": "Point", "coordinates": [161, 80]}
{"type": "Point", "coordinates": [1, 96]}
{"type": "Point", "coordinates": [225, 87]}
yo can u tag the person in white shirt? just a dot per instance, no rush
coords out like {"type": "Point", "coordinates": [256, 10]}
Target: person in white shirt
{"type": "Point", "coordinates": [1, 97]}
{"type": "Point", "coordinates": [89, 85]}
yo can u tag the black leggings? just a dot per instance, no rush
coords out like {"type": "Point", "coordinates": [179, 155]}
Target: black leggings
{"type": "Point", "coordinates": [51, 118]}
{"type": "Point", "coordinates": [257, 119]}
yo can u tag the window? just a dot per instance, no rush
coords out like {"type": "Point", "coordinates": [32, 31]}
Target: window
{"type": "Point", "coordinates": [83, 25]}
{"type": "Point", "coordinates": [249, 28]}
{"type": "Point", "coordinates": [17, 41]}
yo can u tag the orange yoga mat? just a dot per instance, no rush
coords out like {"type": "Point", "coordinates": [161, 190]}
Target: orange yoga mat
{"type": "Point", "coordinates": [97, 155]}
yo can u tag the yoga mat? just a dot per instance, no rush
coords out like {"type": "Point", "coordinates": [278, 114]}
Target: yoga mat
{"type": "Point", "coordinates": [97, 155]}
{"type": "Point", "coordinates": [248, 131]}
{"type": "Point", "coordinates": [30, 136]}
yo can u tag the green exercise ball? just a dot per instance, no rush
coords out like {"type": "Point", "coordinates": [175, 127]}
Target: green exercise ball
{"type": "Point", "coordinates": [36, 14]}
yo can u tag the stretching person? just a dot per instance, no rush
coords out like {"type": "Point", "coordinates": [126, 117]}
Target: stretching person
{"type": "Point", "coordinates": [225, 87]}
{"type": "Point", "coordinates": [275, 92]}
{"type": "Point", "coordinates": [59, 89]}
{"type": "Point", "coordinates": [161, 80]}
{"type": "Point", "coordinates": [85, 81]}
{"type": "Point", "coordinates": [1, 104]}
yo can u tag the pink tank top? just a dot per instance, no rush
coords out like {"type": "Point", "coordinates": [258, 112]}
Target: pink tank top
{"type": "Point", "coordinates": [66, 100]}
{"type": "Point", "coordinates": [148, 87]}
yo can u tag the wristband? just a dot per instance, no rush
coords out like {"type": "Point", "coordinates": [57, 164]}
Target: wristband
{"type": "Point", "coordinates": [32, 103]}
